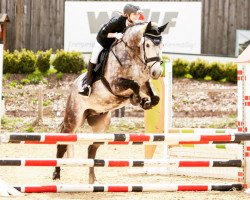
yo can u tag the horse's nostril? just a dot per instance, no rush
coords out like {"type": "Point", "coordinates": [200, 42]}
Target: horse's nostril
{"type": "Point", "coordinates": [153, 74]}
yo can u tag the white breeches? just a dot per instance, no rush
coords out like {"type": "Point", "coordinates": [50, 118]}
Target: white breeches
{"type": "Point", "coordinates": [96, 51]}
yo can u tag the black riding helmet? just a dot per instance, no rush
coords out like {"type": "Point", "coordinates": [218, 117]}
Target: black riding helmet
{"type": "Point", "coordinates": [130, 8]}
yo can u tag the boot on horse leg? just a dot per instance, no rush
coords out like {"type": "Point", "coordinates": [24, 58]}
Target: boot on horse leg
{"type": "Point", "coordinates": [87, 82]}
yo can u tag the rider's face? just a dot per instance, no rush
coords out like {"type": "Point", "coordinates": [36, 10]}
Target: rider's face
{"type": "Point", "coordinates": [134, 17]}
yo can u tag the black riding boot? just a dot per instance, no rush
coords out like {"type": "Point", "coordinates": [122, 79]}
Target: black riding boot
{"type": "Point", "coordinates": [87, 82]}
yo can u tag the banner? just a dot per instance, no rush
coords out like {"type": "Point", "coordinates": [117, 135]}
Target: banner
{"type": "Point", "coordinates": [83, 20]}
{"type": "Point", "coordinates": [242, 41]}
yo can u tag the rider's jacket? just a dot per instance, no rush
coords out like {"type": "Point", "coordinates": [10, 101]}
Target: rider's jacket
{"type": "Point", "coordinates": [116, 24]}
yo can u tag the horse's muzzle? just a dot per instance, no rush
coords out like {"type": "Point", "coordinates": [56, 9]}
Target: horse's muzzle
{"type": "Point", "coordinates": [155, 71]}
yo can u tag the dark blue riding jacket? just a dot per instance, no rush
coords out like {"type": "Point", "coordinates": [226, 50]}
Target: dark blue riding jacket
{"type": "Point", "coordinates": [116, 24]}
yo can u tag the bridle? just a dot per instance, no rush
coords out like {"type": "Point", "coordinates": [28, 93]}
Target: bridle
{"type": "Point", "coordinates": [154, 38]}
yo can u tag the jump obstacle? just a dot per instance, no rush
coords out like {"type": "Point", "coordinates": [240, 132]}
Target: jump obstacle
{"type": "Point", "coordinates": [140, 138]}
{"type": "Point", "coordinates": [164, 124]}
{"type": "Point", "coordinates": [170, 139]}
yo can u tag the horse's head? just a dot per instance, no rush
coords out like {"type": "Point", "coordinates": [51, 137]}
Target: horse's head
{"type": "Point", "coordinates": [151, 45]}
{"type": "Point", "coordinates": [149, 39]}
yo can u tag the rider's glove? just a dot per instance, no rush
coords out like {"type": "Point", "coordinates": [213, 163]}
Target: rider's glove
{"type": "Point", "coordinates": [118, 35]}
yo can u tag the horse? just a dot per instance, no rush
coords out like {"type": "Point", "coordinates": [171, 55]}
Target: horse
{"type": "Point", "coordinates": [130, 64]}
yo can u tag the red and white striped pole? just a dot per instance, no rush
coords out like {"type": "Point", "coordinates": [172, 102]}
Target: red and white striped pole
{"type": "Point", "coordinates": [32, 162]}
{"type": "Point", "coordinates": [128, 188]}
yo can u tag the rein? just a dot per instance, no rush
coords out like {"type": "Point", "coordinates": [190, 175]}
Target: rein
{"type": "Point", "coordinates": [104, 80]}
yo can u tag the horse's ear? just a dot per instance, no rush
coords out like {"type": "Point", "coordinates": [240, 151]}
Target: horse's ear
{"type": "Point", "coordinates": [148, 28]}
{"type": "Point", "coordinates": [162, 28]}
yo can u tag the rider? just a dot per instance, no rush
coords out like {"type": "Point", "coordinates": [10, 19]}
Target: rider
{"type": "Point", "coordinates": [107, 35]}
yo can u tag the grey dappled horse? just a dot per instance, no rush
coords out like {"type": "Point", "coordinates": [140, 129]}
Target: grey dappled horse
{"type": "Point", "coordinates": [132, 61]}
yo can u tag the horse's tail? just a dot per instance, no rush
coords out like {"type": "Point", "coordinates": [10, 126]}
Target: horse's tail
{"type": "Point", "coordinates": [70, 152]}
{"type": "Point", "coordinates": [61, 127]}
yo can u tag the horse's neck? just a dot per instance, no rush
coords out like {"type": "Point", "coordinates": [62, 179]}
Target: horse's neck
{"type": "Point", "coordinates": [127, 52]}
{"type": "Point", "coordinates": [133, 36]}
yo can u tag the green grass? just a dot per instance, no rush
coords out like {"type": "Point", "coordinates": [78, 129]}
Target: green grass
{"type": "Point", "coordinates": [227, 123]}
{"type": "Point", "coordinates": [15, 124]}
{"type": "Point", "coordinates": [123, 126]}
{"type": "Point", "coordinates": [47, 103]}
{"type": "Point", "coordinates": [12, 124]}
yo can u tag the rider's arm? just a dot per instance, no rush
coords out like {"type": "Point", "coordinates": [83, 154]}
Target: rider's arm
{"type": "Point", "coordinates": [108, 30]}
{"type": "Point", "coordinates": [111, 35]}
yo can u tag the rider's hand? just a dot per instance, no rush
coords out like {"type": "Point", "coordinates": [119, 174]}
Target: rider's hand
{"type": "Point", "coordinates": [118, 35]}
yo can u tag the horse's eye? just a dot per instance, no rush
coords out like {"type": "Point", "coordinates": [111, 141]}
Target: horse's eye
{"type": "Point", "coordinates": [147, 45]}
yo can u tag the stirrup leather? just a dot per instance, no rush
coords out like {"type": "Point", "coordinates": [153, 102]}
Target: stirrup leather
{"type": "Point", "coordinates": [90, 90]}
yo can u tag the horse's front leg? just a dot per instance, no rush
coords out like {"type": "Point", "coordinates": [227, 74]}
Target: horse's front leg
{"type": "Point", "coordinates": [147, 103]}
{"type": "Point", "coordinates": [124, 84]}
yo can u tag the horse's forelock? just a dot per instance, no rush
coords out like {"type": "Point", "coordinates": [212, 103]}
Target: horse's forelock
{"type": "Point", "coordinates": [134, 33]}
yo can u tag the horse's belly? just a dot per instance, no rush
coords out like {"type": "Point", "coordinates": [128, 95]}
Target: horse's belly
{"type": "Point", "coordinates": [108, 105]}
{"type": "Point", "coordinates": [101, 100]}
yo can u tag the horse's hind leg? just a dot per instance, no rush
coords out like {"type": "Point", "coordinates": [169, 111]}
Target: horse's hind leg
{"type": "Point", "coordinates": [74, 117]}
{"type": "Point", "coordinates": [61, 149]}
{"type": "Point", "coordinates": [98, 123]}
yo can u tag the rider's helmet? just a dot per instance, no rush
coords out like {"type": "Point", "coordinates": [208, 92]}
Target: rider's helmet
{"type": "Point", "coordinates": [130, 8]}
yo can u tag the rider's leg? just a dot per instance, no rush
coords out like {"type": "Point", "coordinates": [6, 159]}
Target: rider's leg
{"type": "Point", "coordinates": [92, 63]}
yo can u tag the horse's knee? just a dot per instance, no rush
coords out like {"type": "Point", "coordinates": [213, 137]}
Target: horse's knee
{"type": "Point", "coordinates": [135, 99]}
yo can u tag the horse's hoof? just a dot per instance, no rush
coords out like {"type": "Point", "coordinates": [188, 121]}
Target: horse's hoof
{"type": "Point", "coordinates": [155, 100]}
{"type": "Point", "coordinates": [56, 176]}
{"type": "Point", "coordinates": [145, 103]}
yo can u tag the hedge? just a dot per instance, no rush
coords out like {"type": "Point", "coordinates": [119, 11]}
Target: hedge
{"type": "Point", "coordinates": [27, 62]}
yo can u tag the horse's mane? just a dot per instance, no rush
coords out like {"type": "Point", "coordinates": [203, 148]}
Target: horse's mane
{"type": "Point", "coordinates": [129, 27]}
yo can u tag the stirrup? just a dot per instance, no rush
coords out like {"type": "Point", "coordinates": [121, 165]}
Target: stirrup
{"type": "Point", "coordinates": [86, 91]}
